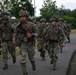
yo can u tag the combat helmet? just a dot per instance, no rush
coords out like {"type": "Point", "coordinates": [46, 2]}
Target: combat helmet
{"type": "Point", "coordinates": [23, 13]}
{"type": "Point", "coordinates": [5, 17]}
{"type": "Point", "coordinates": [53, 19]}
{"type": "Point", "coordinates": [42, 20]}
{"type": "Point", "coordinates": [60, 19]}
{"type": "Point", "coordinates": [65, 21]}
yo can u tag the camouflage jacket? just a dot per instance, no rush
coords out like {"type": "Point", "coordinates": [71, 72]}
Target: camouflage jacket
{"type": "Point", "coordinates": [6, 32]}
{"type": "Point", "coordinates": [40, 29]}
{"type": "Point", "coordinates": [68, 28]}
{"type": "Point", "coordinates": [54, 33]}
{"type": "Point", "coordinates": [22, 30]}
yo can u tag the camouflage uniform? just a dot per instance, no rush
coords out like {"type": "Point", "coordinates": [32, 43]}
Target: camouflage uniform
{"type": "Point", "coordinates": [6, 34]}
{"type": "Point", "coordinates": [61, 25]}
{"type": "Point", "coordinates": [52, 35]}
{"type": "Point", "coordinates": [41, 42]}
{"type": "Point", "coordinates": [67, 30]}
{"type": "Point", "coordinates": [26, 44]}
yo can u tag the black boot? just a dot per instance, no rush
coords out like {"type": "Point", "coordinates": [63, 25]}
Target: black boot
{"type": "Point", "coordinates": [14, 59]}
{"type": "Point", "coordinates": [5, 66]}
{"type": "Point", "coordinates": [33, 65]}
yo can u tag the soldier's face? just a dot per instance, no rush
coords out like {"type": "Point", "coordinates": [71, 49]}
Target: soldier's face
{"type": "Point", "coordinates": [43, 23]}
{"type": "Point", "coordinates": [53, 22]}
{"type": "Point", "coordinates": [23, 18]}
{"type": "Point", "coordinates": [61, 21]}
{"type": "Point", "coordinates": [4, 21]}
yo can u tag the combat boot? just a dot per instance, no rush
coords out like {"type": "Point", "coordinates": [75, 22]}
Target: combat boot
{"type": "Point", "coordinates": [25, 73]}
{"type": "Point", "coordinates": [33, 65]}
{"type": "Point", "coordinates": [51, 62]}
{"type": "Point", "coordinates": [43, 58]}
{"type": "Point", "coordinates": [5, 66]}
{"type": "Point", "coordinates": [14, 60]}
{"type": "Point", "coordinates": [54, 61]}
{"type": "Point", "coordinates": [54, 65]}
{"type": "Point", "coordinates": [61, 50]}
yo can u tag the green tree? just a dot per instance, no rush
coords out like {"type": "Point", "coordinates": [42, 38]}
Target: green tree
{"type": "Point", "coordinates": [14, 6]}
{"type": "Point", "coordinates": [48, 9]}
{"type": "Point", "coordinates": [73, 13]}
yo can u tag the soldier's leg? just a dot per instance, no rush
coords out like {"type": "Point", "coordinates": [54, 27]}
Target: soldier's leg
{"type": "Point", "coordinates": [43, 54]}
{"type": "Point", "coordinates": [39, 48]}
{"type": "Point", "coordinates": [61, 49]}
{"type": "Point", "coordinates": [23, 59]}
{"type": "Point", "coordinates": [5, 54]}
{"type": "Point", "coordinates": [49, 49]}
{"type": "Point", "coordinates": [31, 53]}
{"type": "Point", "coordinates": [12, 51]}
{"type": "Point", "coordinates": [55, 55]}
{"type": "Point", "coordinates": [55, 58]}
{"type": "Point", "coordinates": [68, 38]}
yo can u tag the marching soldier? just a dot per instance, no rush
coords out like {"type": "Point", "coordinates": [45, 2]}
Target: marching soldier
{"type": "Point", "coordinates": [40, 38]}
{"type": "Point", "coordinates": [13, 21]}
{"type": "Point", "coordinates": [52, 34]}
{"type": "Point", "coordinates": [25, 32]}
{"type": "Point", "coordinates": [6, 34]}
{"type": "Point", "coordinates": [61, 25]}
{"type": "Point", "coordinates": [67, 30]}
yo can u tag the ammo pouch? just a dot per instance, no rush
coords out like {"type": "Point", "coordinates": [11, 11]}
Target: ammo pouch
{"type": "Point", "coordinates": [21, 38]}
{"type": "Point", "coordinates": [7, 36]}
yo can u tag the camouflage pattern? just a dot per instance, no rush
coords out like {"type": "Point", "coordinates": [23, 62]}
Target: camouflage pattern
{"type": "Point", "coordinates": [67, 30]}
{"type": "Point", "coordinates": [6, 34]}
{"type": "Point", "coordinates": [43, 20]}
{"type": "Point", "coordinates": [53, 35]}
{"type": "Point", "coordinates": [40, 38]}
{"type": "Point", "coordinates": [62, 26]}
{"type": "Point", "coordinates": [23, 13]}
{"type": "Point", "coordinates": [26, 45]}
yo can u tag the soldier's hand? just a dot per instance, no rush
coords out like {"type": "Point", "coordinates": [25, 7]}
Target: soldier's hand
{"type": "Point", "coordinates": [29, 35]}
{"type": "Point", "coordinates": [14, 42]}
{"type": "Point", "coordinates": [63, 44]}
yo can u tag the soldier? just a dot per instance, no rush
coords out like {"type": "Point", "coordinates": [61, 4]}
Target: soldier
{"type": "Point", "coordinates": [67, 30]}
{"type": "Point", "coordinates": [25, 30]}
{"type": "Point", "coordinates": [41, 42]}
{"type": "Point", "coordinates": [52, 34]}
{"type": "Point", "coordinates": [61, 25]}
{"type": "Point", "coordinates": [13, 21]}
{"type": "Point", "coordinates": [6, 34]}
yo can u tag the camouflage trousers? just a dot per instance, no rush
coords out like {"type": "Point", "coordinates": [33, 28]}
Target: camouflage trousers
{"type": "Point", "coordinates": [26, 50]}
{"type": "Point", "coordinates": [8, 47]}
{"type": "Point", "coordinates": [41, 47]}
{"type": "Point", "coordinates": [53, 50]}
{"type": "Point", "coordinates": [60, 46]}
{"type": "Point", "coordinates": [68, 36]}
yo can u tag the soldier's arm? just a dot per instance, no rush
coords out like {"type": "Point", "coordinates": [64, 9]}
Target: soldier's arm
{"type": "Point", "coordinates": [69, 27]}
{"type": "Point", "coordinates": [45, 33]}
{"type": "Point", "coordinates": [38, 31]}
{"type": "Point", "coordinates": [62, 34]}
{"type": "Point", "coordinates": [15, 36]}
{"type": "Point", "coordinates": [34, 30]}
{"type": "Point", "coordinates": [0, 35]}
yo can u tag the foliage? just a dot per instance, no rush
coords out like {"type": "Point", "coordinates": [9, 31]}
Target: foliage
{"type": "Point", "coordinates": [50, 9]}
{"type": "Point", "coordinates": [14, 6]}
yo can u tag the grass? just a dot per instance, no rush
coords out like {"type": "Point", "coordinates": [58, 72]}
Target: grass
{"type": "Point", "coordinates": [73, 31]}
